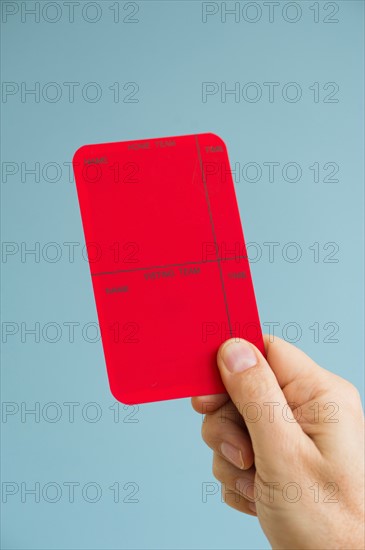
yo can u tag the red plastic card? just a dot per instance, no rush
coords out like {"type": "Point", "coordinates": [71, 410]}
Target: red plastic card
{"type": "Point", "coordinates": [168, 263]}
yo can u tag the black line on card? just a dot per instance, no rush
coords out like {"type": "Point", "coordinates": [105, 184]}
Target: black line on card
{"type": "Point", "coordinates": [213, 231]}
{"type": "Point", "coordinates": [200, 262]}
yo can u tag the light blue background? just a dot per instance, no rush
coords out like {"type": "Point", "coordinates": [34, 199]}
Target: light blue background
{"type": "Point", "coordinates": [169, 53]}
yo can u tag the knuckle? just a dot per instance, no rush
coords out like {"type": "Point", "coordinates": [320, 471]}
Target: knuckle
{"type": "Point", "coordinates": [259, 386]}
{"type": "Point", "coordinates": [205, 431]}
{"type": "Point", "coordinates": [344, 388]}
{"type": "Point", "coordinates": [216, 469]}
{"type": "Point", "coordinates": [223, 493]}
{"type": "Point", "coordinates": [352, 392]}
{"type": "Point", "coordinates": [347, 395]}
{"type": "Point", "coordinates": [210, 431]}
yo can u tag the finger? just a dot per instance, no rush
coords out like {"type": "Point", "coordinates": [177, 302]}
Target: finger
{"type": "Point", "coordinates": [238, 502]}
{"type": "Point", "coordinates": [288, 362]}
{"type": "Point", "coordinates": [242, 482]}
{"type": "Point", "coordinates": [209, 403]}
{"type": "Point", "coordinates": [229, 440]}
{"type": "Point", "coordinates": [227, 411]}
{"type": "Point", "coordinates": [255, 391]}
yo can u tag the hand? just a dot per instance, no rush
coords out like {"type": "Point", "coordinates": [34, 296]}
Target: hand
{"type": "Point", "coordinates": [288, 446]}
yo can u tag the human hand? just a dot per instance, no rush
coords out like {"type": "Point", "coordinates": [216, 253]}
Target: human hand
{"type": "Point", "coordinates": [288, 445]}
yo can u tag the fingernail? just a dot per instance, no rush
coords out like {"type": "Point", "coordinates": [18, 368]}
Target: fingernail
{"type": "Point", "coordinates": [238, 356]}
{"type": "Point", "coordinates": [233, 454]}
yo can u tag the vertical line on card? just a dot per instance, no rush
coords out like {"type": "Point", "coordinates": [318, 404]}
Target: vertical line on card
{"type": "Point", "coordinates": [213, 231]}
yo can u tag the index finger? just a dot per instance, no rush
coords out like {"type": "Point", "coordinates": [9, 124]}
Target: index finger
{"type": "Point", "coordinates": [205, 404]}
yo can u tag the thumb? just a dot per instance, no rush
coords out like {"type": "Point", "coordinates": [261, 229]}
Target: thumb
{"type": "Point", "coordinates": [255, 391]}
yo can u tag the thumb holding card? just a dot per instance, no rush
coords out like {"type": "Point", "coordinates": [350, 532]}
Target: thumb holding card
{"type": "Point", "coordinates": [256, 393]}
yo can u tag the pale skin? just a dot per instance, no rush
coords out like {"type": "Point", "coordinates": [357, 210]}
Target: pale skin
{"type": "Point", "coordinates": [288, 446]}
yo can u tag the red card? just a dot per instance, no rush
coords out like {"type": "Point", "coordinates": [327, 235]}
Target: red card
{"type": "Point", "coordinates": [168, 263]}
